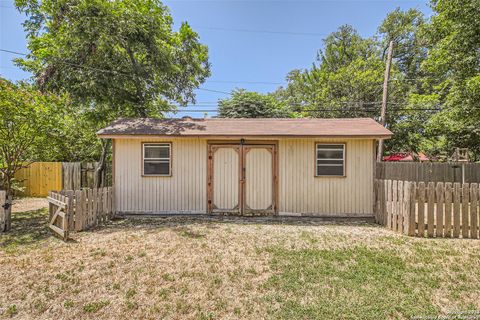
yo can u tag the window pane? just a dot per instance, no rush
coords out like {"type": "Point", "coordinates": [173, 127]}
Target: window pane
{"type": "Point", "coordinates": [324, 162]}
{"type": "Point", "coordinates": [156, 167]}
{"type": "Point", "coordinates": [157, 151]}
{"type": "Point", "coordinates": [329, 170]}
{"type": "Point", "coordinates": [329, 154]}
{"type": "Point", "coordinates": [330, 146]}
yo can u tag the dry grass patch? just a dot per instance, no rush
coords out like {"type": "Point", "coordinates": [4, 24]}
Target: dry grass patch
{"type": "Point", "coordinates": [180, 268]}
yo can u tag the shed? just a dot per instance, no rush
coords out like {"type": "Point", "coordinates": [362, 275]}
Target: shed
{"type": "Point", "coordinates": [321, 167]}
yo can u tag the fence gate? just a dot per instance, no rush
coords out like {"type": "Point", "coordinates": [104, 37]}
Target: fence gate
{"type": "Point", "coordinates": [58, 208]}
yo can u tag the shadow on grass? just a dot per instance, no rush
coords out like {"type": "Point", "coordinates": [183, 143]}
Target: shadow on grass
{"type": "Point", "coordinates": [28, 228]}
{"type": "Point", "coordinates": [181, 221]}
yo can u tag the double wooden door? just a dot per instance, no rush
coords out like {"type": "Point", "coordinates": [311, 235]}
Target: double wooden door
{"type": "Point", "coordinates": [242, 179]}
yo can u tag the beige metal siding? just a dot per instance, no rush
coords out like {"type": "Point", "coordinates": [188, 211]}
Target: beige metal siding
{"type": "Point", "coordinates": [184, 190]}
{"type": "Point", "coordinates": [301, 192]}
{"type": "Point", "coordinates": [258, 179]}
{"type": "Point", "coordinates": [225, 178]}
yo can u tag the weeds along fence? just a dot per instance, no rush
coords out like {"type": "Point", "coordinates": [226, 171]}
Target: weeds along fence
{"type": "Point", "coordinates": [78, 210]}
{"type": "Point", "coordinates": [428, 209]}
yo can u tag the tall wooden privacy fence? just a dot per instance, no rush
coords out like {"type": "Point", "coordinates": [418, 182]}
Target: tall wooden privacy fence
{"type": "Point", "coordinates": [79, 209]}
{"type": "Point", "coordinates": [38, 178]}
{"type": "Point", "coordinates": [428, 209]}
{"type": "Point", "coordinates": [429, 171]}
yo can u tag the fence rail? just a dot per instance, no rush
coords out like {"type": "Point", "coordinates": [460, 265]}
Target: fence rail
{"type": "Point", "coordinates": [83, 208]}
{"type": "Point", "coordinates": [428, 209]}
{"type": "Point", "coordinates": [429, 171]}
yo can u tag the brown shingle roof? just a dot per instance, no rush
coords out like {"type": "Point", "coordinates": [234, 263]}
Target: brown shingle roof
{"type": "Point", "coordinates": [356, 127]}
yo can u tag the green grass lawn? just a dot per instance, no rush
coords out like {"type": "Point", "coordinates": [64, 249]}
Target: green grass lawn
{"type": "Point", "coordinates": [195, 269]}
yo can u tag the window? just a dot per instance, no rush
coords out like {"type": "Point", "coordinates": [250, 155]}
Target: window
{"type": "Point", "coordinates": [330, 159]}
{"type": "Point", "coordinates": [156, 159]}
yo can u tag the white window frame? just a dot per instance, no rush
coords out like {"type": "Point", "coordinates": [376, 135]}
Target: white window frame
{"type": "Point", "coordinates": [344, 146]}
{"type": "Point", "coordinates": [169, 159]}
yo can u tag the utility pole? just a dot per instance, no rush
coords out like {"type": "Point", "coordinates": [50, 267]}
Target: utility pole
{"type": "Point", "coordinates": [385, 98]}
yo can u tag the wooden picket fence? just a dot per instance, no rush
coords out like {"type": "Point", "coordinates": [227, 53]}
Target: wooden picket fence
{"type": "Point", "coordinates": [428, 209]}
{"type": "Point", "coordinates": [83, 209]}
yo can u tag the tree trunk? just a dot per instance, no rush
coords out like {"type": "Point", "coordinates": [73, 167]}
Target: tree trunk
{"type": "Point", "coordinates": [99, 177]}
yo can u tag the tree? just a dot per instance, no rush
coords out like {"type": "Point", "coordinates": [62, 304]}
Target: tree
{"type": "Point", "coordinates": [245, 104]}
{"type": "Point", "coordinates": [28, 127]}
{"type": "Point", "coordinates": [453, 71]}
{"type": "Point", "coordinates": [115, 58]}
{"type": "Point", "coordinates": [405, 28]}
{"type": "Point", "coordinates": [346, 80]}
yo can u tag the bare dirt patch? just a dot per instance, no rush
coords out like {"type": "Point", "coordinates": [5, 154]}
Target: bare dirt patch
{"type": "Point", "coordinates": [29, 204]}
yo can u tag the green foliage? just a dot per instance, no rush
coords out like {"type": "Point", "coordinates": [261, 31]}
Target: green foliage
{"type": "Point", "coordinates": [404, 28]}
{"type": "Point", "coordinates": [346, 81]}
{"type": "Point", "coordinates": [244, 104]}
{"type": "Point", "coordinates": [350, 283]}
{"type": "Point", "coordinates": [29, 127]}
{"type": "Point", "coordinates": [434, 92]}
{"type": "Point", "coordinates": [95, 306]}
{"type": "Point", "coordinates": [453, 65]}
{"type": "Point", "coordinates": [120, 56]}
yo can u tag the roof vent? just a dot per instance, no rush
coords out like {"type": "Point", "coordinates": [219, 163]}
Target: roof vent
{"type": "Point", "coordinates": [188, 118]}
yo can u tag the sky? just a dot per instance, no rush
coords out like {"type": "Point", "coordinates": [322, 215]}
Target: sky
{"type": "Point", "coordinates": [252, 44]}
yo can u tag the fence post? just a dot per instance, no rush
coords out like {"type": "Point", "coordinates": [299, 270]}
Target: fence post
{"type": "Point", "coordinates": [465, 205]}
{"type": "Point", "coordinates": [473, 211]}
{"type": "Point", "coordinates": [90, 207]}
{"type": "Point", "coordinates": [376, 188]}
{"type": "Point", "coordinates": [78, 210]}
{"type": "Point", "coordinates": [448, 210]}
{"type": "Point", "coordinates": [394, 204]}
{"type": "Point", "coordinates": [421, 209]}
{"type": "Point", "coordinates": [389, 203]}
{"type": "Point", "coordinates": [457, 195]}
{"type": "Point", "coordinates": [430, 209]}
{"type": "Point", "coordinates": [401, 206]}
{"type": "Point", "coordinates": [406, 206]}
{"type": "Point", "coordinates": [440, 192]}
{"type": "Point", "coordinates": [70, 194]}
{"type": "Point", "coordinates": [412, 211]}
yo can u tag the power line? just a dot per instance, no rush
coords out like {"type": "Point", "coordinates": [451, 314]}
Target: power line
{"type": "Point", "coordinates": [211, 90]}
{"type": "Point", "coordinates": [322, 110]}
{"type": "Point", "coordinates": [292, 33]}
{"type": "Point", "coordinates": [13, 52]}
{"type": "Point", "coordinates": [247, 82]}
{"type": "Point", "coordinates": [102, 70]}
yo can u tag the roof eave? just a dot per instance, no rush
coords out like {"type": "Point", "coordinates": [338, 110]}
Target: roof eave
{"type": "Point", "coordinates": [150, 136]}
